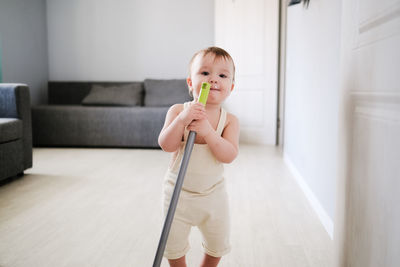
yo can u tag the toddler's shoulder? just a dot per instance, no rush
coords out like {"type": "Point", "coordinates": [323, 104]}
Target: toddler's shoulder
{"type": "Point", "coordinates": [231, 118]}
{"type": "Point", "coordinates": [177, 108]}
{"type": "Point", "coordinates": [231, 121]}
{"type": "Point", "coordinates": [232, 128]}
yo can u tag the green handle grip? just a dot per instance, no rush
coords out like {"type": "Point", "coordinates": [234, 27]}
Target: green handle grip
{"type": "Point", "coordinates": [205, 89]}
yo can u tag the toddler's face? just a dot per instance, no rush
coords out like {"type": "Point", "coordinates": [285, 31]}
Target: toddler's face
{"type": "Point", "coordinates": [216, 71]}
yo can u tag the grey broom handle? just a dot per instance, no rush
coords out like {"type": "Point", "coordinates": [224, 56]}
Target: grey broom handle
{"type": "Point", "coordinates": [174, 200]}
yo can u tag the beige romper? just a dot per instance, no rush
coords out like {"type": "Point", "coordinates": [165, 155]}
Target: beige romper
{"type": "Point", "coordinates": [203, 201]}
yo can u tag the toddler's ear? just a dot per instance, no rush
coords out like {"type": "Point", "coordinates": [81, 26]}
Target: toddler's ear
{"type": "Point", "coordinates": [189, 82]}
{"type": "Point", "coordinates": [233, 85]}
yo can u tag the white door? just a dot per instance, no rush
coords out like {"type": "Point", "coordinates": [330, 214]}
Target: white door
{"type": "Point", "coordinates": [248, 30]}
{"type": "Point", "coordinates": [367, 225]}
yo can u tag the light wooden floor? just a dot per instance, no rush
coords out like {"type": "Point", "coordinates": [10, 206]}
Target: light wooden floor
{"type": "Point", "coordinates": [102, 207]}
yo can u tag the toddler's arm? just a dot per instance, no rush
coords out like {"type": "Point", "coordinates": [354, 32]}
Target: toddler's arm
{"type": "Point", "coordinates": [226, 147]}
{"type": "Point", "coordinates": [176, 120]}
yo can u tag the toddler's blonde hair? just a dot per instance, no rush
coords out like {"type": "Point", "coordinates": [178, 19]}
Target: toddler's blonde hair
{"type": "Point", "coordinates": [218, 52]}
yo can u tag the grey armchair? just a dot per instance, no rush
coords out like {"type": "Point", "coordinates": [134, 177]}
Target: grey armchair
{"type": "Point", "coordinates": [15, 130]}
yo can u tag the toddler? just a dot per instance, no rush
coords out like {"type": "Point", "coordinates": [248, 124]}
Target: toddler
{"type": "Point", "coordinates": [203, 201]}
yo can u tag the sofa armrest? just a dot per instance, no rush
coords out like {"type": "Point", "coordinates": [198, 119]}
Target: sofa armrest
{"type": "Point", "coordinates": [15, 103]}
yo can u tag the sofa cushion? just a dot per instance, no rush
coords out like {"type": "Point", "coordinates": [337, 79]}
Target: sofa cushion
{"type": "Point", "coordinates": [10, 129]}
{"type": "Point", "coordinates": [163, 93]}
{"type": "Point", "coordinates": [123, 95]}
{"type": "Point", "coordinates": [69, 125]}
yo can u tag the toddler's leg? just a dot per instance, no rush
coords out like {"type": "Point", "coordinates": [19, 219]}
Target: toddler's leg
{"type": "Point", "coordinates": [181, 262]}
{"type": "Point", "coordinates": [210, 261]}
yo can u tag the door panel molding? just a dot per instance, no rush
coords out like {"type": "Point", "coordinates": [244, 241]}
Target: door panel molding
{"type": "Point", "coordinates": [377, 20]}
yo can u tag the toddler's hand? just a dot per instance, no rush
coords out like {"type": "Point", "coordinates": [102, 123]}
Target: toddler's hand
{"type": "Point", "coordinates": [195, 111]}
{"type": "Point", "coordinates": [201, 127]}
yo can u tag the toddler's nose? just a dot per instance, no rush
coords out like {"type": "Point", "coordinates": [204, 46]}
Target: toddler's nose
{"type": "Point", "coordinates": [213, 84]}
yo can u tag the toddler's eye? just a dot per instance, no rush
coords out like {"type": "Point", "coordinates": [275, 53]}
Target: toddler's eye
{"type": "Point", "coordinates": [205, 73]}
{"type": "Point", "coordinates": [223, 76]}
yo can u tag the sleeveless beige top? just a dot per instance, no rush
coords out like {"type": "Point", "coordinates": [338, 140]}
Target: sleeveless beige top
{"type": "Point", "coordinates": [204, 171]}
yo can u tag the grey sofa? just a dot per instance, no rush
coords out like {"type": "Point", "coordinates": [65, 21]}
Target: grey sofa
{"type": "Point", "coordinates": [15, 130]}
{"type": "Point", "coordinates": [106, 114]}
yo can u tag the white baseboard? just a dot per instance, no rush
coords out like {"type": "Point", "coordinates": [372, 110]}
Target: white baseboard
{"type": "Point", "coordinates": [312, 199]}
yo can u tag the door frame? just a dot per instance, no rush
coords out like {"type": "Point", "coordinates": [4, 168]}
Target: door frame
{"type": "Point", "coordinates": [281, 74]}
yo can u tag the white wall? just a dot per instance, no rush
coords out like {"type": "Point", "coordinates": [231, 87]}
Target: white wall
{"type": "Point", "coordinates": [126, 40]}
{"type": "Point", "coordinates": [24, 45]}
{"type": "Point", "coordinates": [311, 106]}
{"type": "Point", "coordinates": [248, 30]}
{"type": "Point", "coordinates": [367, 232]}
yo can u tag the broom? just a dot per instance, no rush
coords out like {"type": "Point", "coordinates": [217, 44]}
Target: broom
{"type": "Point", "coordinates": [205, 89]}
